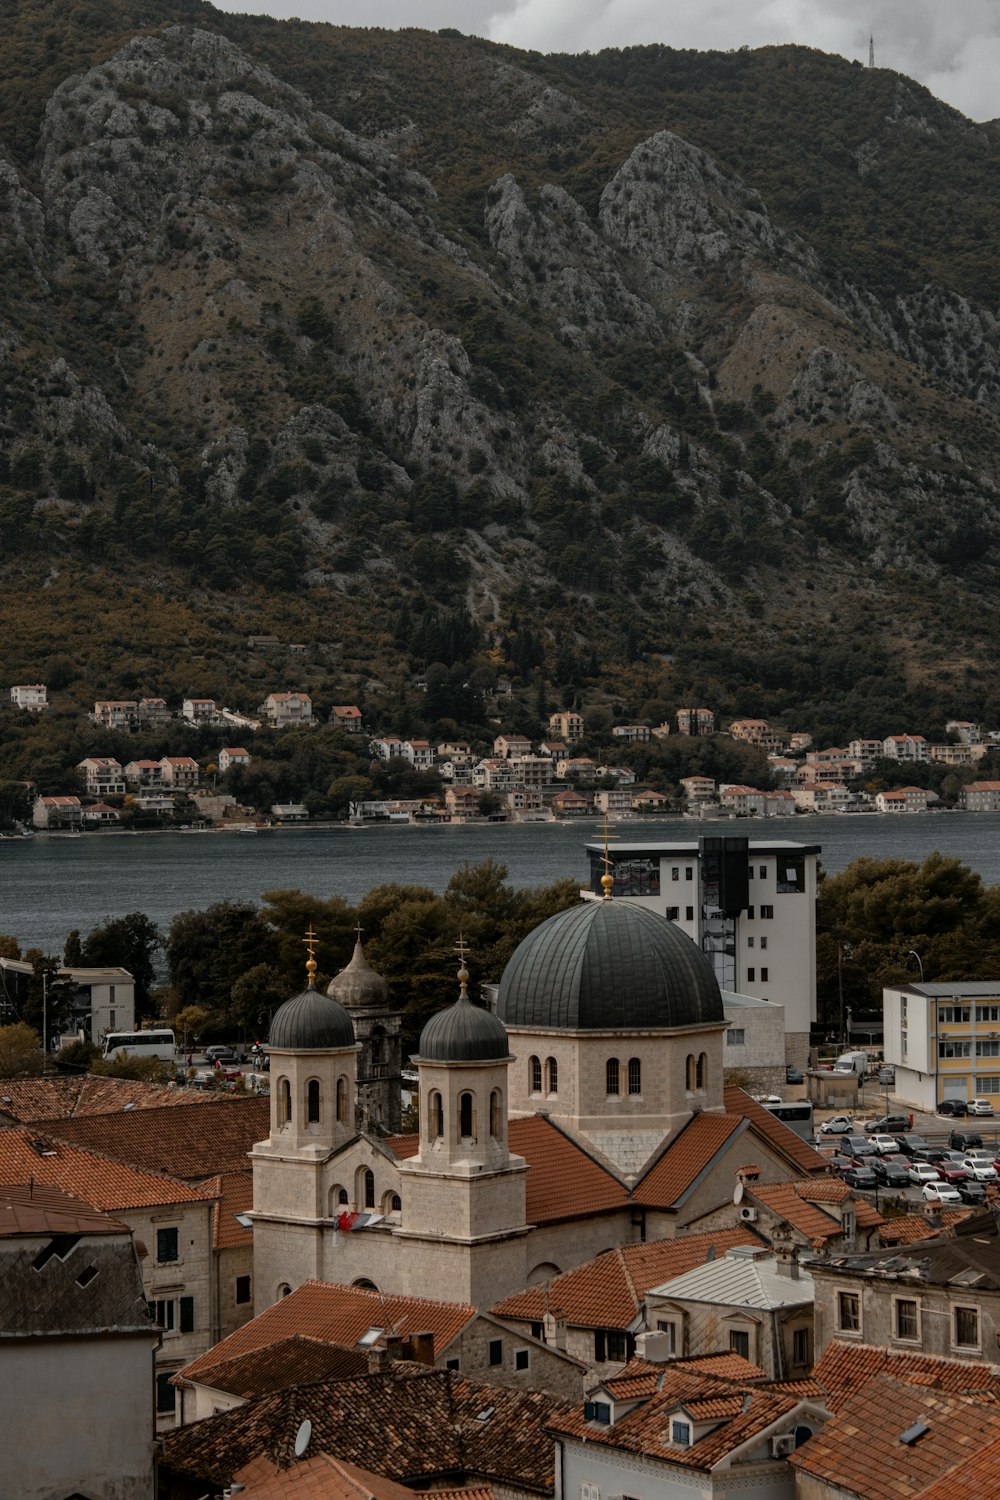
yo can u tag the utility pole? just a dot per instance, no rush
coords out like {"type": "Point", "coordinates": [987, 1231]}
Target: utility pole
{"type": "Point", "coordinates": [871, 50]}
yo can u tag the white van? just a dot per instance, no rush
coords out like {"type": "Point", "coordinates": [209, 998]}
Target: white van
{"type": "Point", "coordinates": [852, 1062]}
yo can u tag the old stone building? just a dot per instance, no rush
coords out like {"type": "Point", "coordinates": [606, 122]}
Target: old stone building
{"type": "Point", "coordinates": [365, 995]}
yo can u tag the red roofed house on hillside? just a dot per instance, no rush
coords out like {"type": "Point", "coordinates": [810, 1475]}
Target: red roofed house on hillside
{"type": "Point", "coordinates": [587, 1112]}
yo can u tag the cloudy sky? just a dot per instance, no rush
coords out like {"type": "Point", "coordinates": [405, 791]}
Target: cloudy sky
{"type": "Point", "coordinates": [952, 46]}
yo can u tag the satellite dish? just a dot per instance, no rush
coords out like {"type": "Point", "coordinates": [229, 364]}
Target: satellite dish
{"type": "Point", "coordinates": [738, 1194]}
{"type": "Point", "coordinates": [302, 1438]}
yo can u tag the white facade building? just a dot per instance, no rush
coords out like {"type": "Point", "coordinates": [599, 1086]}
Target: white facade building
{"type": "Point", "coordinates": [943, 1040]}
{"type": "Point", "coordinates": [30, 695]}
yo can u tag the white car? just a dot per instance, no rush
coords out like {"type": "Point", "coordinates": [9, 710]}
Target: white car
{"type": "Point", "coordinates": [885, 1145]}
{"type": "Point", "coordinates": [837, 1125]}
{"type": "Point", "coordinates": [922, 1174]}
{"type": "Point", "coordinates": [980, 1107]}
{"type": "Point", "coordinates": [978, 1170]}
{"type": "Point", "coordinates": [941, 1192]}
{"type": "Point", "coordinates": [980, 1154]}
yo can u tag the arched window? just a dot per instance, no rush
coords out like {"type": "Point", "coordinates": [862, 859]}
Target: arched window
{"type": "Point", "coordinates": [341, 1100]}
{"type": "Point", "coordinates": [689, 1072]}
{"type": "Point", "coordinates": [701, 1072]}
{"type": "Point", "coordinates": [284, 1290]}
{"type": "Point", "coordinates": [369, 1188]}
{"type": "Point", "coordinates": [338, 1199]}
{"type": "Point", "coordinates": [391, 1203]}
{"type": "Point", "coordinates": [435, 1109]}
{"type": "Point", "coordinates": [612, 1071]}
{"type": "Point", "coordinates": [466, 1116]}
{"type": "Point", "coordinates": [552, 1070]}
{"type": "Point", "coordinates": [284, 1102]}
{"type": "Point", "coordinates": [312, 1101]}
{"type": "Point", "coordinates": [496, 1115]}
{"type": "Point", "coordinates": [343, 1197]}
{"type": "Point", "coordinates": [634, 1075]}
{"type": "Point", "coordinates": [535, 1074]}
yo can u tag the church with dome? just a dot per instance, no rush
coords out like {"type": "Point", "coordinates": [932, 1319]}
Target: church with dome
{"type": "Point", "coordinates": [584, 1110]}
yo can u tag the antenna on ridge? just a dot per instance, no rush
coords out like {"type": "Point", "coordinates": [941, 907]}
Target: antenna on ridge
{"type": "Point", "coordinates": [871, 50]}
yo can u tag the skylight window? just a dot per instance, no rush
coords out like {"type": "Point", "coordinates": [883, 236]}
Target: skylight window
{"type": "Point", "coordinates": [371, 1337]}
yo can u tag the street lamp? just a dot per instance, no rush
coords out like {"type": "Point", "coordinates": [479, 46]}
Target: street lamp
{"type": "Point", "coordinates": [914, 954]}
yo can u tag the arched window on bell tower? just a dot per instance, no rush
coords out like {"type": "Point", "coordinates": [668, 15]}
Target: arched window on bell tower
{"type": "Point", "coordinates": [435, 1112]}
{"type": "Point", "coordinates": [496, 1115]}
{"type": "Point", "coordinates": [312, 1102]}
{"type": "Point", "coordinates": [467, 1116]}
{"type": "Point", "coordinates": [284, 1101]}
{"type": "Point", "coordinates": [342, 1100]}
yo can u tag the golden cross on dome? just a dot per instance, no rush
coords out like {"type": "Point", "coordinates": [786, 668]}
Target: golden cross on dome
{"type": "Point", "coordinates": [311, 940]}
{"type": "Point", "coordinates": [607, 879]}
{"type": "Point", "coordinates": [359, 930]}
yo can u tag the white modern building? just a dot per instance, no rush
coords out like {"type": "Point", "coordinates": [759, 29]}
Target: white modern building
{"type": "Point", "coordinates": [944, 1041]}
{"type": "Point", "coordinates": [749, 904]}
{"type": "Point", "coordinates": [30, 695]}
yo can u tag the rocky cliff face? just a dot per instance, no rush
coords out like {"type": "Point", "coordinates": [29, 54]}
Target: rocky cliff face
{"type": "Point", "coordinates": [227, 311]}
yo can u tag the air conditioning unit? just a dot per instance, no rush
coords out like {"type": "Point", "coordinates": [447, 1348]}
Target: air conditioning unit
{"type": "Point", "coordinates": [748, 1214]}
{"type": "Point", "coordinates": [782, 1446]}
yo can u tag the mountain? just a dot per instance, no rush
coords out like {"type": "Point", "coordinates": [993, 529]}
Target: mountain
{"type": "Point", "coordinates": [637, 376]}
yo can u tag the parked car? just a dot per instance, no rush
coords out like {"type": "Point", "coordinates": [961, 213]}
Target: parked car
{"type": "Point", "coordinates": [885, 1145]}
{"type": "Point", "coordinates": [940, 1192]}
{"type": "Point", "coordinates": [891, 1174]}
{"type": "Point", "coordinates": [861, 1177]}
{"type": "Point", "coordinates": [888, 1125]}
{"type": "Point", "coordinates": [794, 1075]}
{"type": "Point", "coordinates": [220, 1054]}
{"type": "Point", "coordinates": [954, 1107]}
{"type": "Point", "coordinates": [972, 1192]}
{"type": "Point", "coordinates": [921, 1173]}
{"type": "Point", "coordinates": [952, 1171]}
{"type": "Point", "coordinates": [857, 1146]}
{"type": "Point", "coordinates": [205, 1078]}
{"type": "Point", "coordinates": [887, 1073]}
{"type": "Point", "coordinates": [913, 1145]}
{"type": "Point", "coordinates": [965, 1140]}
{"type": "Point", "coordinates": [837, 1125]}
{"type": "Point", "coordinates": [979, 1170]}
{"type": "Point", "coordinates": [980, 1107]}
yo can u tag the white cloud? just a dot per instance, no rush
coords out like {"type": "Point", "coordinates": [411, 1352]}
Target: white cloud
{"type": "Point", "coordinates": [953, 47]}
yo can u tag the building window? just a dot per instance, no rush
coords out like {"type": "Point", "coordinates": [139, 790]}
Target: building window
{"type": "Point", "coordinates": [689, 1072]}
{"type": "Point", "coordinates": [689, 913]}
{"type": "Point", "coordinates": [950, 1015]}
{"type": "Point", "coordinates": [739, 1342]}
{"type": "Point", "coordinates": [164, 1314]}
{"type": "Point", "coordinates": [538, 1332]}
{"type": "Point", "coordinates": [673, 913]}
{"type": "Point", "coordinates": [552, 1068]}
{"type": "Point", "coordinates": [166, 1245]}
{"type": "Point", "coordinates": [453, 1364]}
{"type": "Point", "coordinates": [611, 1072]}
{"type": "Point", "coordinates": [791, 873]}
{"type": "Point", "coordinates": [496, 1351]}
{"type": "Point", "coordinates": [613, 1344]}
{"type": "Point", "coordinates": [701, 1072]}
{"type": "Point", "coordinates": [954, 1049]}
{"type": "Point", "coordinates": [436, 1113]}
{"type": "Point", "coordinates": [763, 974]}
{"type": "Point", "coordinates": [284, 1290]}
{"type": "Point", "coordinates": [763, 872]}
{"type": "Point", "coordinates": [634, 1075]}
{"type": "Point", "coordinates": [312, 1101]}
{"type": "Point", "coordinates": [766, 913]}
{"type": "Point", "coordinates": [341, 1101]}
{"type": "Point", "coordinates": [988, 1013]}
{"type": "Point", "coordinates": [284, 1102]}
{"type": "Point", "coordinates": [520, 1359]}
{"type": "Point", "coordinates": [750, 911]}
{"type": "Point", "coordinates": [736, 1036]}
{"type": "Point", "coordinates": [369, 1188]}
{"type": "Point", "coordinates": [906, 1318]}
{"type": "Point", "coordinates": [763, 942]}
{"type": "Point", "coordinates": [166, 1394]}
{"type": "Point", "coordinates": [680, 1432]}
{"type": "Point", "coordinates": [675, 872]}
{"type": "Point", "coordinates": [966, 1327]}
{"type": "Point", "coordinates": [496, 1112]}
{"type": "Point", "coordinates": [988, 1049]}
{"type": "Point", "coordinates": [989, 1085]}
{"type": "Point", "coordinates": [751, 975]}
{"type": "Point", "coordinates": [589, 1491]}
{"type": "Point", "coordinates": [749, 942]}
{"type": "Point", "coordinates": [689, 873]}
{"type": "Point", "coordinates": [242, 1290]}
{"type": "Point", "coordinates": [800, 1347]}
{"type": "Point", "coordinates": [466, 1117]}
{"type": "Point", "coordinates": [535, 1069]}
{"type": "Point", "coordinates": [848, 1312]}
{"type": "Point", "coordinates": [669, 1331]}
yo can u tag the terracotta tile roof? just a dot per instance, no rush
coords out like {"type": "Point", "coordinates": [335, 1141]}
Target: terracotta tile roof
{"type": "Point", "coordinates": [36, 1208]}
{"type": "Point", "coordinates": [607, 1292]}
{"type": "Point", "coordinates": [741, 1411]}
{"type": "Point", "coordinates": [829, 1190]}
{"type": "Point", "coordinates": [292, 1361]}
{"type": "Point", "coordinates": [337, 1315]}
{"type": "Point", "coordinates": [642, 1377]}
{"type": "Point", "coordinates": [777, 1134]}
{"type": "Point", "coordinates": [402, 1146]}
{"type": "Point", "coordinates": [957, 1426]}
{"type": "Point", "coordinates": [112, 1186]}
{"type": "Point", "coordinates": [326, 1478]}
{"type": "Point", "coordinates": [795, 1202]}
{"type": "Point", "coordinates": [843, 1367]}
{"type": "Point", "coordinates": [911, 1227]}
{"type": "Point", "coordinates": [975, 1476]}
{"type": "Point", "coordinates": [234, 1191]}
{"type": "Point", "coordinates": [686, 1157]}
{"type": "Point", "coordinates": [180, 1143]}
{"type": "Point", "coordinates": [411, 1424]}
{"type": "Point", "coordinates": [28, 1099]}
{"type": "Point", "coordinates": [563, 1181]}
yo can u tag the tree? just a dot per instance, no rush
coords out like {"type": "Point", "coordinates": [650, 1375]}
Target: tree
{"type": "Point", "coordinates": [20, 1051]}
{"type": "Point", "coordinates": [190, 1022]}
{"type": "Point", "coordinates": [146, 1069]}
{"type": "Point", "coordinates": [208, 950]}
{"type": "Point", "coordinates": [256, 995]}
{"type": "Point", "coordinates": [77, 1057]}
{"type": "Point", "coordinates": [129, 943]}
{"type": "Point", "coordinates": [73, 950]}
{"type": "Point", "coordinates": [9, 946]}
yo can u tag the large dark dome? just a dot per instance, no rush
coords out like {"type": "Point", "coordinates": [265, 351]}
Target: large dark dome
{"type": "Point", "coordinates": [311, 1022]}
{"type": "Point", "coordinates": [608, 965]}
{"type": "Point", "coordinates": [463, 1033]}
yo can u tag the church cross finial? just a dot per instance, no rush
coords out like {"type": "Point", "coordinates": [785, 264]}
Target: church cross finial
{"type": "Point", "coordinates": [607, 879]}
{"type": "Point", "coordinates": [463, 973]}
{"type": "Point", "coordinates": [311, 941]}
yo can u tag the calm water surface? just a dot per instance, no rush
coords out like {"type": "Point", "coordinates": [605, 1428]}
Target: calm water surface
{"type": "Point", "coordinates": [49, 885]}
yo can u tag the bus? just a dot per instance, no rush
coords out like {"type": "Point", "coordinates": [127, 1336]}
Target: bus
{"type": "Point", "coordinates": [160, 1043]}
{"type": "Point", "coordinates": [797, 1114]}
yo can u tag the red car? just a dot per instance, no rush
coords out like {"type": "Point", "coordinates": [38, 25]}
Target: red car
{"type": "Point", "coordinates": [951, 1171]}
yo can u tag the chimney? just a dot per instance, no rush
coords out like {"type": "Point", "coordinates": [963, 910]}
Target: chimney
{"type": "Point", "coordinates": [422, 1348]}
{"type": "Point", "coordinates": [393, 1345]}
{"type": "Point", "coordinates": [554, 1328]}
{"type": "Point", "coordinates": [378, 1361]}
